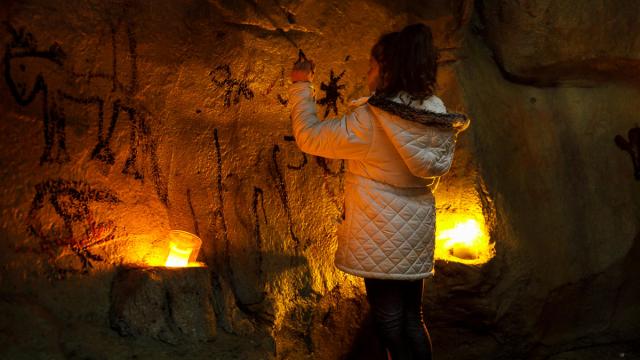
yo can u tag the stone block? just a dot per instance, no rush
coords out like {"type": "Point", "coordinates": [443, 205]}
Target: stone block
{"type": "Point", "coordinates": [173, 305]}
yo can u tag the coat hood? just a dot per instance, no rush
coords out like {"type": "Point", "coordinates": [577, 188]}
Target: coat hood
{"type": "Point", "coordinates": [424, 139]}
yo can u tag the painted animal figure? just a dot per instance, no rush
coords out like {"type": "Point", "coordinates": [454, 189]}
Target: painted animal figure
{"type": "Point", "coordinates": [20, 51]}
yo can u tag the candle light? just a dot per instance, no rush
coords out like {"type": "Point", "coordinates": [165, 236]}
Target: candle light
{"type": "Point", "coordinates": [183, 248]}
{"type": "Point", "coordinates": [464, 240]}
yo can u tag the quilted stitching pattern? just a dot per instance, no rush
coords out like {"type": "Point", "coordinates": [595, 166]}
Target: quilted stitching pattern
{"type": "Point", "coordinates": [388, 231]}
{"type": "Point", "coordinates": [427, 151]}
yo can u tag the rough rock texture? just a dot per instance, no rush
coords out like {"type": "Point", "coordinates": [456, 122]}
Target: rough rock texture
{"type": "Point", "coordinates": [173, 305]}
{"type": "Point", "coordinates": [548, 42]}
{"type": "Point", "coordinates": [122, 120]}
{"type": "Point", "coordinates": [566, 232]}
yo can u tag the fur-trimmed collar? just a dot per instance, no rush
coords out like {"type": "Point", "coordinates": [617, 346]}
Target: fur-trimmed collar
{"type": "Point", "coordinates": [425, 117]}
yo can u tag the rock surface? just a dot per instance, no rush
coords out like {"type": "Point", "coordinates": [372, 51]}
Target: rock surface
{"type": "Point", "coordinates": [173, 305]}
{"type": "Point", "coordinates": [547, 42]}
{"type": "Point", "coordinates": [122, 120]}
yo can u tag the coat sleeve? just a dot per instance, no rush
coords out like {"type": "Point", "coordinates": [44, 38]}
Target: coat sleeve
{"type": "Point", "coordinates": [440, 145]}
{"type": "Point", "coordinates": [441, 156]}
{"type": "Point", "coordinates": [348, 137]}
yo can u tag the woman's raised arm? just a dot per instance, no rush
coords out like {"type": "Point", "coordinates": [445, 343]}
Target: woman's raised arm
{"type": "Point", "coordinates": [347, 137]}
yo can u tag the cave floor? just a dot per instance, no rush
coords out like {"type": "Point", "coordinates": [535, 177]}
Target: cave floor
{"type": "Point", "coordinates": [37, 338]}
{"type": "Point", "coordinates": [624, 351]}
{"type": "Point", "coordinates": [96, 342]}
{"type": "Point", "coordinates": [28, 331]}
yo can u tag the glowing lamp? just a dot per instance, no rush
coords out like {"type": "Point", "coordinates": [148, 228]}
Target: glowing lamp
{"type": "Point", "coordinates": [464, 241]}
{"type": "Point", "coordinates": [183, 248]}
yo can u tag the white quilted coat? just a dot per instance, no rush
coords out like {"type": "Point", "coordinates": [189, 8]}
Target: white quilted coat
{"type": "Point", "coordinates": [394, 149]}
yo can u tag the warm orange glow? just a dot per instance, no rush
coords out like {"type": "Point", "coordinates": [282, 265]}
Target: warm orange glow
{"type": "Point", "coordinates": [178, 257]}
{"type": "Point", "coordinates": [462, 239]}
{"type": "Point", "coordinates": [183, 249]}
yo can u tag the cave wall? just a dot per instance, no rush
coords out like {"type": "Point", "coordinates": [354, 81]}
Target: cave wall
{"type": "Point", "coordinates": [123, 120]}
{"type": "Point", "coordinates": [550, 42]}
{"type": "Point", "coordinates": [545, 84]}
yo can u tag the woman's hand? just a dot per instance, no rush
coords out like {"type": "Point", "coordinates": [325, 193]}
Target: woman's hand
{"type": "Point", "coordinates": [301, 75]}
{"type": "Point", "coordinates": [303, 70]}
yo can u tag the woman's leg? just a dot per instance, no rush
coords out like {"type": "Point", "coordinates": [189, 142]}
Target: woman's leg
{"type": "Point", "coordinates": [385, 299]}
{"type": "Point", "coordinates": [397, 310]}
{"type": "Point", "coordinates": [417, 336]}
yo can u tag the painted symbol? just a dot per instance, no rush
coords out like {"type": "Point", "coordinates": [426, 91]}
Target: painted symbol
{"type": "Point", "coordinates": [234, 89]}
{"type": "Point", "coordinates": [332, 93]}
{"type": "Point", "coordinates": [78, 229]}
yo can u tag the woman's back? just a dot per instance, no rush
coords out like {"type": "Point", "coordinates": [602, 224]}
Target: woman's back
{"type": "Point", "coordinates": [394, 148]}
{"type": "Point", "coordinates": [384, 161]}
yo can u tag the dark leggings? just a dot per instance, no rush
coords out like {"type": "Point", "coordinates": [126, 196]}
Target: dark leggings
{"type": "Point", "coordinates": [397, 312]}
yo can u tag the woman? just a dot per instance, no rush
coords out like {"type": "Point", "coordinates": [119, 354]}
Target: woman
{"type": "Point", "coordinates": [396, 145]}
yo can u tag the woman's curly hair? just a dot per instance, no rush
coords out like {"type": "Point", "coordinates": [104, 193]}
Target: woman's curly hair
{"type": "Point", "coordinates": [408, 62]}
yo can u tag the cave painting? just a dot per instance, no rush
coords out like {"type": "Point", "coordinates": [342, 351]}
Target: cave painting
{"type": "Point", "coordinates": [631, 146]}
{"type": "Point", "coordinates": [277, 175]}
{"type": "Point", "coordinates": [327, 173]}
{"type": "Point", "coordinates": [196, 226]}
{"type": "Point", "coordinates": [23, 45]}
{"type": "Point", "coordinates": [304, 160]}
{"type": "Point", "coordinates": [77, 229]}
{"type": "Point", "coordinates": [336, 198]}
{"type": "Point", "coordinates": [22, 52]}
{"type": "Point", "coordinates": [256, 209]}
{"type": "Point", "coordinates": [281, 185]}
{"type": "Point", "coordinates": [280, 80]}
{"type": "Point", "coordinates": [234, 89]}
{"type": "Point", "coordinates": [332, 93]}
{"type": "Point", "coordinates": [220, 221]}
